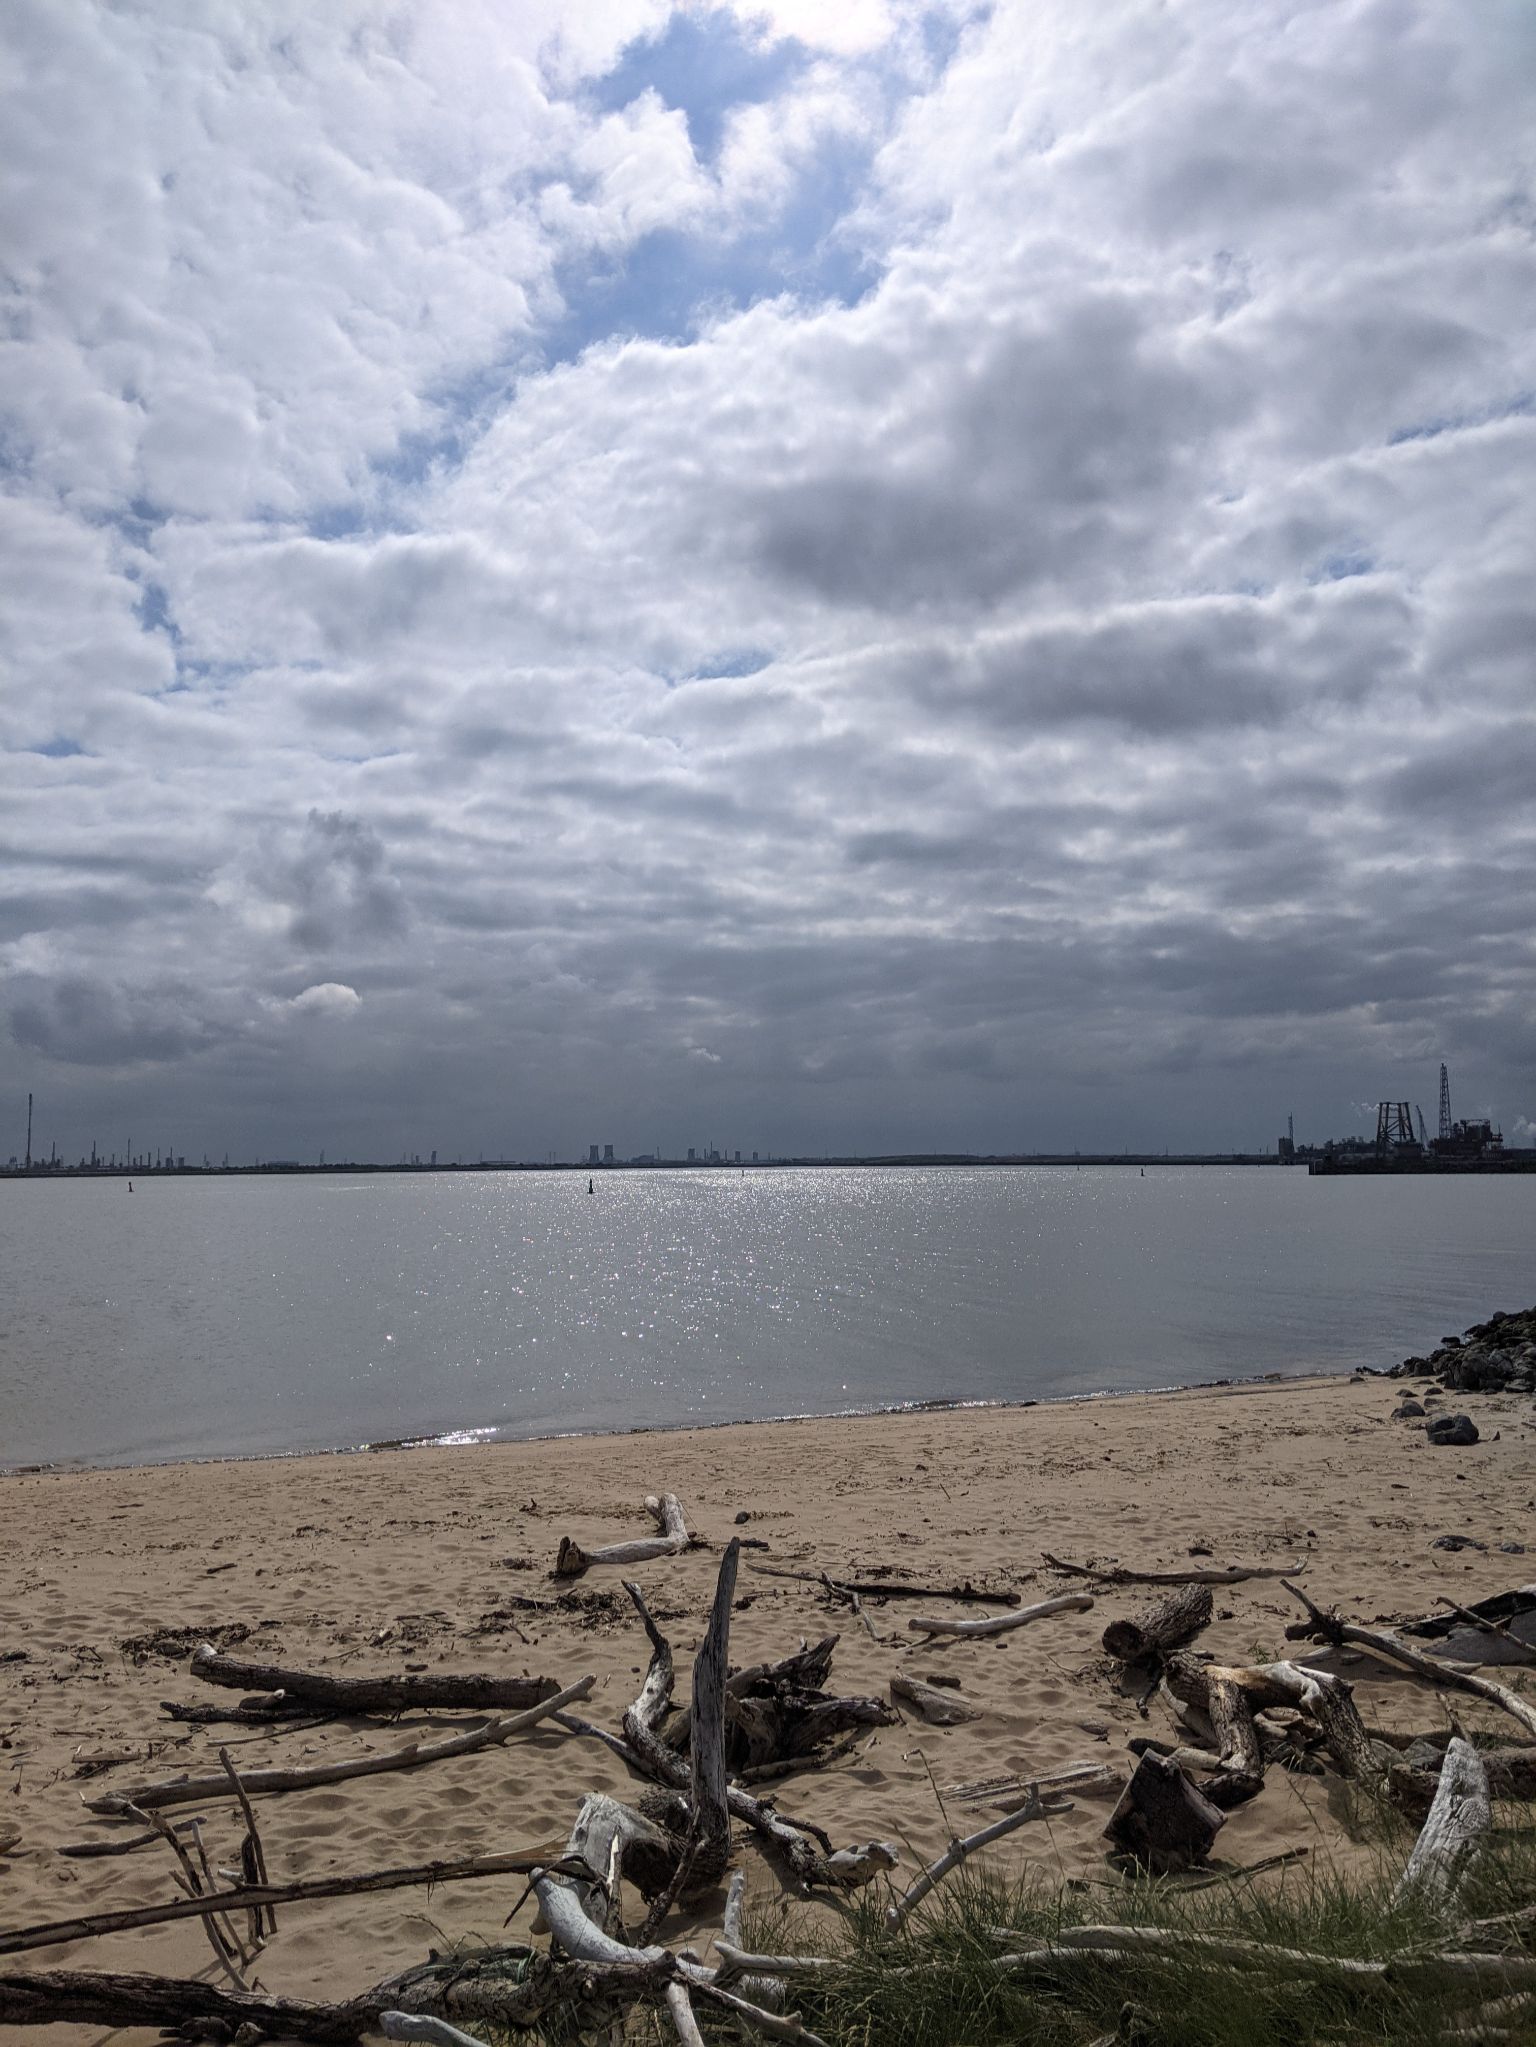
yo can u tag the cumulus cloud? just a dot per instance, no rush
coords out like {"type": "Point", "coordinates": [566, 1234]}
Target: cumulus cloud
{"type": "Point", "coordinates": [325, 998]}
{"type": "Point", "coordinates": [964, 566]}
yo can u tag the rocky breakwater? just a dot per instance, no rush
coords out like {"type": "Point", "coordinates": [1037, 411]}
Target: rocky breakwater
{"type": "Point", "coordinates": [1496, 1356]}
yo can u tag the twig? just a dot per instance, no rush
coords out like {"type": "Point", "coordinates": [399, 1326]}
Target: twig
{"type": "Point", "coordinates": [1195, 1574]}
{"type": "Point", "coordinates": [258, 1862]}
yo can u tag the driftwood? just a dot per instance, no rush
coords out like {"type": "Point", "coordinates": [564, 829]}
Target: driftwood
{"type": "Point", "coordinates": [944, 1708]}
{"type": "Point", "coordinates": [1511, 1773]}
{"type": "Point", "coordinates": [1165, 1624]}
{"type": "Point", "coordinates": [403, 1693]}
{"type": "Point", "coordinates": [777, 1716]}
{"type": "Point", "coordinates": [1487, 1974]}
{"type": "Point", "coordinates": [803, 1846]}
{"type": "Point", "coordinates": [266, 1710]}
{"type": "Point", "coordinates": [709, 1820]}
{"type": "Point", "coordinates": [1162, 1822]}
{"type": "Point", "coordinates": [664, 1509]}
{"type": "Point", "coordinates": [509, 1987]}
{"type": "Point", "coordinates": [1192, 1574]}
{"type": "Point", "coordinates": [959, 1851]}
{"type": "Point", "coordinates": [1004, 1623]}
{"type": "Point", "coordinates": [806, 1671]}
{"type": "Point", "coordinates": [1456, 1831]}
{"type": "Point", "coordinates": [1327, 1698]}
{"type": "Point", "coordinates": [891, 1588]}
{"type": "Point", "coordinates": [1008, 1793]}
{"type": "Point", "coordinates": [184, 1790]}
{"type": "Point", "coordinates": [247, 1897]}
{"type": "Point", "coordinates": [1221, 1696]}
{"type": "Point", "coordinates": [1392, 1649]}
{"type": "Point", "coordinates": [763, 1990]}
{"type": "Point", "coordinates": [419, 2025]}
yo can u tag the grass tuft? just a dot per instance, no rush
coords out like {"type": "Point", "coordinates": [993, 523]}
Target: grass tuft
{"type": "Point", "coordinates": [935, 1982]}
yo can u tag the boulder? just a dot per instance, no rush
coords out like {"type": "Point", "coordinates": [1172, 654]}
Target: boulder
{"type": "Point", "coordinates": [1451, 1431]}
{"type": "Point", "coordinates": [1407, 1411]}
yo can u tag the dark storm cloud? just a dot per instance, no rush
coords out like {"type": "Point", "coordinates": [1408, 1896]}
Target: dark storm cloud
{"type": "Point", "coordinates": [334, 884]}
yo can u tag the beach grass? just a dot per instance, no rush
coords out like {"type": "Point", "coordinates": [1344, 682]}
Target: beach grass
{"type": "Point", "coordinates": [936, 1982]}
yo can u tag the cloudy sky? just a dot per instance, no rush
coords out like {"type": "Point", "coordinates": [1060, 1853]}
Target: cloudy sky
{"type": "Point", "coordinates": [803, 577]}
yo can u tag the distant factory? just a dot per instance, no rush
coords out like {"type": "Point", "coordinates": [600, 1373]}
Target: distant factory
{"type": "Point", "coordinates": [1403, 1145]}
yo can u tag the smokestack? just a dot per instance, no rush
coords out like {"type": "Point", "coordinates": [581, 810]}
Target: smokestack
{"type": "Point", "coordinates": [29, 1133]}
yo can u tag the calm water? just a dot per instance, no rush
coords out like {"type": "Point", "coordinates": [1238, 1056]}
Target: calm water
{"type": "Point", "coordinates": [245, 1315]}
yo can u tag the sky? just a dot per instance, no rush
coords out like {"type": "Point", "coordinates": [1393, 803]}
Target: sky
{"type": "Point", "coordinates": [888, 577]}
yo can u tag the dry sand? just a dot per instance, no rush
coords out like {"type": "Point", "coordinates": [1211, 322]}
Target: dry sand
{"type": "Point", "coordinates": [413, 1560]}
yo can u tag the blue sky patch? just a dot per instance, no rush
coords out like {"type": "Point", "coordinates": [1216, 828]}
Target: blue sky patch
{"type": "Point", "coordinates": [703, 65]}
{"type": "Point", "coordinates": [670, 284]}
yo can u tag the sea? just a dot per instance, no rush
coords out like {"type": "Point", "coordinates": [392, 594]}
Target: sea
{"type": "Point", "coordinates": [260, 1315]}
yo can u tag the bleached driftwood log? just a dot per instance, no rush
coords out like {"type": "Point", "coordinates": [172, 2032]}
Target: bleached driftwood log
{"type": "Point", "coordinates": [1477, 1973]}
{"type": "Point", "coordinates": [664, 1509]}
{"type": "Point", "coordinates": [944, 1708]}
{"type": "Point", "coordinates": [709, 1817]}
{"type": "Point", "coordinates": [1457, 1829]}
{"type": "Point", "coordinates": [1187, 1574]}
{"type": "Point", "coordinates": [475, 1692]}
{"type": "Point", "coordinates": [184, 1790]}
{"type": "Point", "coordinates": [1003, 1623]}
{"type": "Point", "coordinates": [1164, 1625]}
{"type": "Point", "coordinates": [767, 1991]}
{"type": "Point", "coordinates": [1162, 1822]}
{"type": "Point", "coordinates": [1392, 1649]}
{"type": "Point", "coordinates": [418, 2025]}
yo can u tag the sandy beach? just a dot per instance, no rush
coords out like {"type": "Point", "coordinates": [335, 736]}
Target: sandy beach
{"type": "Point", "coordinates": [418, 1561]}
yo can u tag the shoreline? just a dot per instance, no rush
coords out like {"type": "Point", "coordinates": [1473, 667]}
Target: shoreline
{"type": "Point", "coordinates": [469, 1437]}
{"type": "Point", "coordinates": [358, 1565]}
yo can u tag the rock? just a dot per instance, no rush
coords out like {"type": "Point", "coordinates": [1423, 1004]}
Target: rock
{"type": "Point", "coordinates": [1451, 1431]}
{"type": "Point", "coordinates": [1455, 1542]}
{"type": "Point", "coordinates": [1407, 1411]}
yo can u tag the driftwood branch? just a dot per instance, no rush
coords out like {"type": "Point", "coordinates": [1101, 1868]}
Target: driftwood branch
{"type": "Point", "coordinates": [1192, 1574]}
{"type": "Point", "coordinates": [890, 1588]}
{"type": "Point", "coordinates": [1457, 1829]}
{"type": "Point", "coordinates": [402, 1693]}
{"type": "Point", "coordinates": [665, 1510]}
{"type": "Point", "coordinates": [937, 1703]}
{"type": "Point", "coordinates": [183, 1790]}
{"type": "Point", "coordinates": [1392, 1649]}
{"type": "Point", "coordinates": [957, 1852]}
{"type": "Point", "coordinates": [1004, 1623]}
{"type": "Point", "coordinates": [248, 1897]}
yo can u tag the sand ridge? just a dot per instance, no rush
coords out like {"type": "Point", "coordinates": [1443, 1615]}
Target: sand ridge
{"type": "Point", "coordinates": [427, 1559]}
